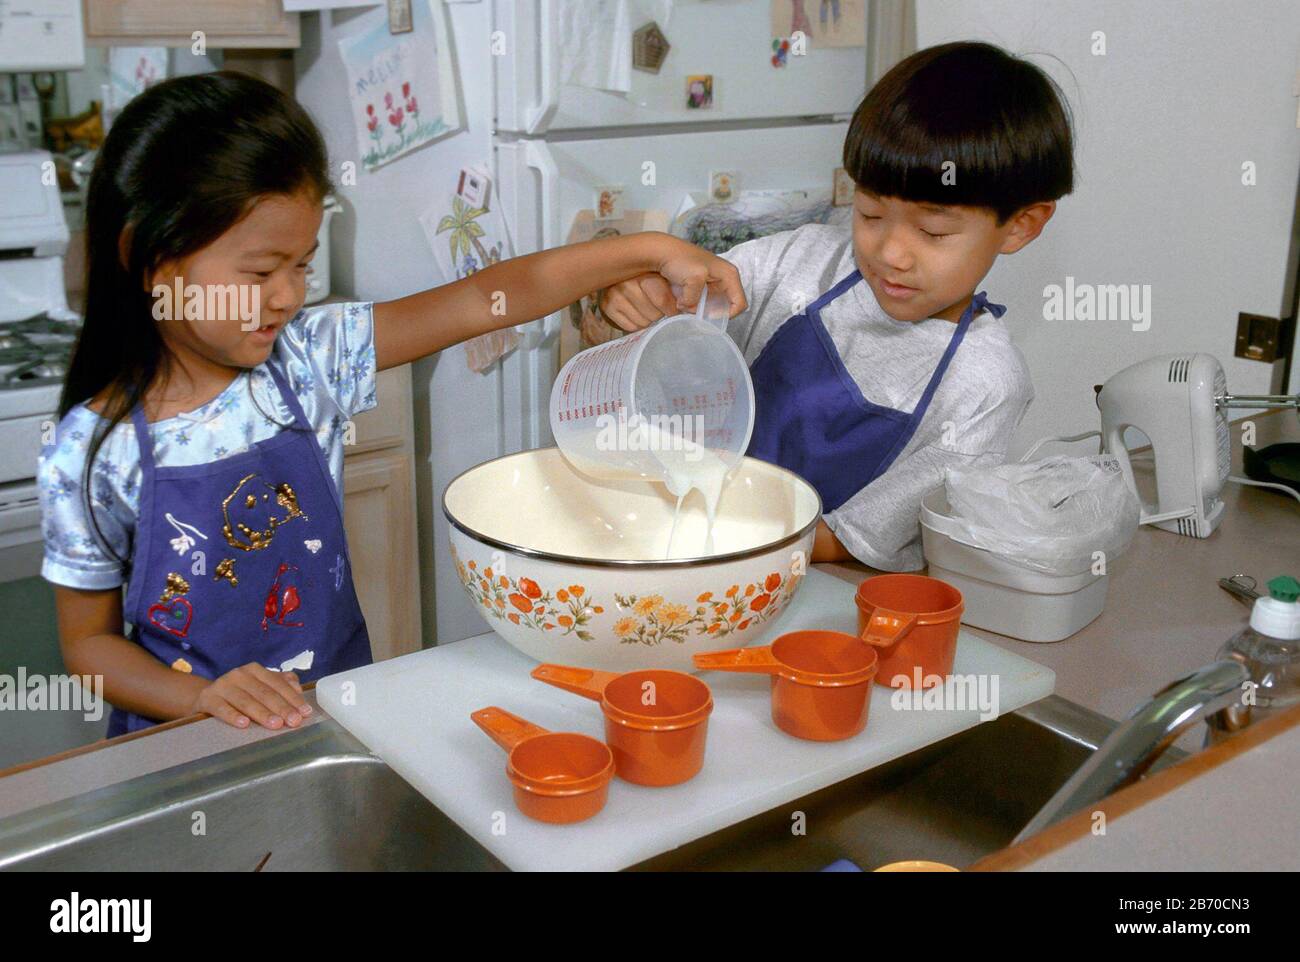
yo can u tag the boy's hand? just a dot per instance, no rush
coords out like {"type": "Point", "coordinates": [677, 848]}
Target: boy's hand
{"type": "Point", "coordinates": [270, 698]}
{"type": "Point", "coordinates": [640, 301]}
{"type": "Point", "coordinates": [692, 267]}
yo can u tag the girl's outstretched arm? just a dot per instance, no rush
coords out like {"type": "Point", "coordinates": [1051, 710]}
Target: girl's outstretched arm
{"type": "Point", "coordinates": [526, 288]}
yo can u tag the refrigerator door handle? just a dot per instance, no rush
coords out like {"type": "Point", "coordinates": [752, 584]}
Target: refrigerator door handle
{"type": "Point", "coordinates": [549, 94]}
{"type": "Point", "coordinates": [537, 155]}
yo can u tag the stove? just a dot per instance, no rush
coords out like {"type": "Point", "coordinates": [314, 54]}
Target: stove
{"type": "Point", "coordinates": [37, 332]}
{"type": "Point", "coordinates": [35, 352]}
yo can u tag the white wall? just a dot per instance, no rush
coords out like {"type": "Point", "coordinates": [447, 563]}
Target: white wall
{"type": "Point", "coordinates": [379, 252]}
{"type": "Point", "coordinates": [1187, 91]}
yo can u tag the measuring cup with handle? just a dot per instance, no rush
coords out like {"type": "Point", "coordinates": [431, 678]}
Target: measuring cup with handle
{"type": "Point", "coordinates": [559, 777]}
{"type": "Point", "coordinates": [821, 681]}
{"type": "Point", "coordinates": [912, 620]}
{"type": "Point", "coordinates": [635, 407]}
{"type": "Point", "coordinates": [656, 720]}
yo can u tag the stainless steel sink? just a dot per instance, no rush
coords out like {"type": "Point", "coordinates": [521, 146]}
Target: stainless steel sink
{"type": "Point", "coordinates": [317, 799]}
{"type": "Point", "coordinates": [314, 799]}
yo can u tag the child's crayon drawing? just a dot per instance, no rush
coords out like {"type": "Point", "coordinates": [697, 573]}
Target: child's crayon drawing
{"type": "Point", "coordinates": [403, 89]}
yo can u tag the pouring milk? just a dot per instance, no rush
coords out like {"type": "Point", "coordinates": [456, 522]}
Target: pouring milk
{"type": "Point", "coordinates": [672, 403]}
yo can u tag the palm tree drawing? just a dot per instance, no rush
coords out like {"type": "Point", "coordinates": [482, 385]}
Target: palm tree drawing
{"type": "Point", "coordinates": [465, 230]}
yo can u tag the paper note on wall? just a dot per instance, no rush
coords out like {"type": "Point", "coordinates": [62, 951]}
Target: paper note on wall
{"type": "Point", "coordinates": [465, 239]}
{"type": "Point", "coordinates": [403, 88]}
{"type": "Point", "coordinates": [596, 44]}
{"type": "Point", "coordinates": [826, 23]}
{"type": "Point", "coordinates": [131, 70]}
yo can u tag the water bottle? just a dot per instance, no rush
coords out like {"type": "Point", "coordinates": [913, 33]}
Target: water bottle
{"type": "Point", "coordinates": [1270, 648]}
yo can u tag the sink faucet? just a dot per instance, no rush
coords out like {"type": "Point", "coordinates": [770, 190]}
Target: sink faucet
{"type": "Point", "coordinates": [1141, 738]}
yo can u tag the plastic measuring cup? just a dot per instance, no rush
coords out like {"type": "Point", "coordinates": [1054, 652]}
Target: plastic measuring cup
{"type": "Point", "coordinates": [913, 621]}
{"type": "Point", "coordinates": [656, 740]}
{"type": "Point", "coordinates": [640, 406]}
{"type": "Point", "coordinates": [821, 681]}
{"type": "Point", "coordinates": [559, 777]}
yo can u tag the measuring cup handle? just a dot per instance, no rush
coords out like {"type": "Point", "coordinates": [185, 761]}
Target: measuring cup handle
{"type": "Point", "coordinates": [505, 729]}
{"type": "Point", "coordinates": [702, 308]}
{"type": "Point", "coordinates": [586, 682]}
{"type": "Point", "coordinates": [759, 661]}
{"type": "Point", "coordinates": [886, 628]}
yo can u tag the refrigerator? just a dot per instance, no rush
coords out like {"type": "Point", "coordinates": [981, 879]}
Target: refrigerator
{"type": "Point", "coordinates": [550, 143]}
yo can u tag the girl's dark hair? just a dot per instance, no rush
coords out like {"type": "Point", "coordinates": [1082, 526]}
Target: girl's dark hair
{"type": "Point", "coordinates": [183, 163]}
{"type": "Point", "coordinates": [1000, 120]}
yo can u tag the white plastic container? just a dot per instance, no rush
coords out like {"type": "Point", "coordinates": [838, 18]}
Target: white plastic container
{"type": "Point", "coordinates": [1002, 596]}
{"type": "Point", "coordinates": [643, 406]}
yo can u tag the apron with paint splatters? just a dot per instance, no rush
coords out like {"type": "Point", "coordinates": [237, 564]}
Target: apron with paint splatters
{"type": "Point", "coordinates": [243, 560]}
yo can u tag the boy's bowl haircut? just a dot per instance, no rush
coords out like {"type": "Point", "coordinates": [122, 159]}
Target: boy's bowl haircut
{"type": "Point", "coordinates": [999, 123]}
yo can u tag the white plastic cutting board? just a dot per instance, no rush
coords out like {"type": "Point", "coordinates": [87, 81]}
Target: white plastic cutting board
{"type": "Point", "coordinates": [413, 712]}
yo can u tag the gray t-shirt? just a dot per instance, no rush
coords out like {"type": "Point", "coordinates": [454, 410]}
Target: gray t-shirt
{"type": "Point", "coordinates": [971, 417]}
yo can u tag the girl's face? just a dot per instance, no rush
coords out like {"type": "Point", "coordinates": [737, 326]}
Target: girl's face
{"type": "Point", "coordinates": [243, 287]}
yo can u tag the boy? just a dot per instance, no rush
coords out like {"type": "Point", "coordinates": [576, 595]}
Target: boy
{"type": "Point", "coordinates": [876, 364]}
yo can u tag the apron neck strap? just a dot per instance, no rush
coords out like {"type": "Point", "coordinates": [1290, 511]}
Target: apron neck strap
{"type": "Point", "coordinates": [981, 302]}
{"type": "Point", "coordinates": [143, 438]}
{"type": "Point", "coordinates": [978, 303]}
{"type": "Point", "coordinates": [290, 398]}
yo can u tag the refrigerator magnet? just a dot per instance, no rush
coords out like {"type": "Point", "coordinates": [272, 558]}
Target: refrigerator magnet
{"type": "Point", "coordinates": [649, 48]}
{"type": "Point", "coordinates": [399, 16]}
{"type": "Point", "coordinates": [724, 186]}
{"type": "Point", "coordinates": [699, 91]}
{"type": "Point", "coordinates": [609, 202]}
{"type": "Point", "coordinates": [473, 186]}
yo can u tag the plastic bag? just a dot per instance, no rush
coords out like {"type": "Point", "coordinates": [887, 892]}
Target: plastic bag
{"type": "Point", "coordinates": [1050, 515]}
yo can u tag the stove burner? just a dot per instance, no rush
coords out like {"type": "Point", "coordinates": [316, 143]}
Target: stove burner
{"type": "Point", "coordinates": [35, 351]}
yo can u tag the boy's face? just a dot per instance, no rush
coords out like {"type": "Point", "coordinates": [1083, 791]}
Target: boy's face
{"type": "Point", "coordinates": [263, 261]}
{"type": "Point", "coordinates": [925, 260]}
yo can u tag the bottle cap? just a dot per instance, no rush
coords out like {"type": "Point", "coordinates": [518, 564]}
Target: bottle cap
{"type": "Point", "coordinates": [1278, 615]}
{"type": "Point", "coordinates": [1284, 588]}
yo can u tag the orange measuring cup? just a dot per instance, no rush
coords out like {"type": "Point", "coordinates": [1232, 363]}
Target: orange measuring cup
{"type": "Point", "coordinates": [559, 777]}
{"type": "Point", "coordinates": [655, 720]}
{"type": "Point", "coordinates": [821, 681]}
{"type": "Point", "coordinates": [912, 620]}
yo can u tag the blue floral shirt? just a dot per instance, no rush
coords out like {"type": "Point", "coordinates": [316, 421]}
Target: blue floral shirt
{"type": "Point", "coordinates": [328, 354]}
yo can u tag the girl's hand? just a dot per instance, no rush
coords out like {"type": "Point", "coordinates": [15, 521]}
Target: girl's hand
{"type": "Point", "coordinates": [270, 698]}
{"type": "Point", "coordinates": [692, 268]}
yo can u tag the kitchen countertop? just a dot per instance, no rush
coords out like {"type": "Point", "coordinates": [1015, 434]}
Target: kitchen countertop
{"type": "Point", "coordinates": [1165, 613]}
{"type": "Point", "coordinates": [1165, 616]}
{"type": "Point", "coordinates": [1229, 809]}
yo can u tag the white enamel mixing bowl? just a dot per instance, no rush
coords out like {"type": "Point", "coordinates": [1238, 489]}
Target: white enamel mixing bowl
{"type": "Point", "coordinates": [572, 571]}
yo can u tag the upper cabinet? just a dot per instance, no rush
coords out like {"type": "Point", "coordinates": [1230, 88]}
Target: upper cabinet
{"type": "Point", "coordinates": [226, 23]}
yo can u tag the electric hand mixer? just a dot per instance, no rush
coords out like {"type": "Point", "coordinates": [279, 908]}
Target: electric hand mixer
{"type": "Point", "coordinates": [1180, 402]}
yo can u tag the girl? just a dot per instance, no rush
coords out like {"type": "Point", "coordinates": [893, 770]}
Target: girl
{"type": "Point", "coordinates": [199, 456]}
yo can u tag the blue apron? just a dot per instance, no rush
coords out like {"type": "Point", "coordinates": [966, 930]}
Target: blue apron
{"type": "Point", "coordinates": [810, 415]}
{"type": "Point", "coordinates": [274, 583]}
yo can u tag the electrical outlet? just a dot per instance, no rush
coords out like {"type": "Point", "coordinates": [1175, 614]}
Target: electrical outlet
{"type": "Point", "coordinates": [1262, 338]}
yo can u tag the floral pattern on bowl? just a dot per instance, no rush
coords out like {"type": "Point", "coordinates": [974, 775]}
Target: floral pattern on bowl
{"type": "Point", "coordinates": [523, 602]}
{"type": "Point", "coordinates": [654, 620]}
